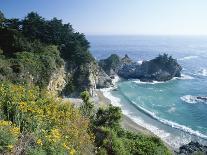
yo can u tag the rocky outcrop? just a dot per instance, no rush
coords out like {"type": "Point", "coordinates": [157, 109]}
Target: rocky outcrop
{"type": "Point", "coordinates": [102, 79]}
{"type": "Point", "coordinates": [84, 77]}
{"type": "Point", "coordinates": [162, 68]}
{"type": "Point", "coordinates": [111, 65]}
{"type": "Point", "coordinates": [192, 148]}
{"type": "Point", "coordinates": [57, 81]}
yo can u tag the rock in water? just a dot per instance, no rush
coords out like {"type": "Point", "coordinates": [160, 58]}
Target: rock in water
{"type": "Point", "coordinates": [162, 68]}
{"type": "Point", "coordinates": [192, 148]}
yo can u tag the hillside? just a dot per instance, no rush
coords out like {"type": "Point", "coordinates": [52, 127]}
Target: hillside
{"type": "Point", "coordinates": [39, 57]}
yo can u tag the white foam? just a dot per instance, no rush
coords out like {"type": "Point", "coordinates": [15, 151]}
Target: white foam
{"type": "Point", "coordinates": [184, 77]}
{"type": "Point", "coordinates": [141, 82]}
{"type": "Point", "coordinates": [115, 80]}
{"type": "Point", "coordinates": [202, 72]}
{"type": "Point", "coordinates": [140, 62]}
{"type": "Point", "coordinates": [174, 124]}
{"type": "Point", "coordinates": [188, 57]}
{"type": "Point", "coordinates": [191, 99]}
{"type": "Point", "coordinates": [172, 109]}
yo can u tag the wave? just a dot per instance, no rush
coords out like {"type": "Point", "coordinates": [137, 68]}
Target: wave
{"type": "Point", "coordinates": [140, 62]}
{"type": "Point", "coordinates": [188, 57]}
{"type": "Point", "coordinates": [172, 140]}
{"type": "Point", "coordinates": [184, 77]}
{"type": "Point", "coordinates": [192, 99]}
{"type": "Point", "coordinates": [202, 72]}
{"type": "Point", "coordinates": [141, 82]}
{"type": "Point", "coordinates": [166, 136]}
{"type": "Point", "coordinates": [170, 123]}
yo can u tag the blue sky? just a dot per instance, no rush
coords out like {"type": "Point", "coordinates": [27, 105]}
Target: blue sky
{"type": "Point", "coordinates": [121, 17]}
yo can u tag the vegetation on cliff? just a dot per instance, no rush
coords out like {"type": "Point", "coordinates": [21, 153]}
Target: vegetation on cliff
{"type": "Point", "coordinates": [33, 48]}
{"type": "Point", "coordinates": [33, 121]}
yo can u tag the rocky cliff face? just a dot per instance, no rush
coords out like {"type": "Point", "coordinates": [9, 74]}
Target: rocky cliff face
{"type": "Point", "coordinates": [71, 79]}
{"type": "Point", "coordinates": [57, 81]}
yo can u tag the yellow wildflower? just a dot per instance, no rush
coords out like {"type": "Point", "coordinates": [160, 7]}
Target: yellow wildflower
{"type": "Point", "coordinates": [10, 147]}
{"type": "Point", "coordinates": [72, 151]}
{"type": "Point", "coordinates": [23, 106]}
{"type": "Point", "coordinates": [65, 146]}
{"type": "Point", "coordinates": [39, 142]}
{"type": "Point", "coordinates": [5, 123]}
{"type": "Point", "coordinates": [15, 131]}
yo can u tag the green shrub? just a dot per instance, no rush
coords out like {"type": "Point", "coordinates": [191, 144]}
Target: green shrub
{"type": "Point", "coordinates": [109, 117]}
{"type": "Point", "coordinates": [9, 134]}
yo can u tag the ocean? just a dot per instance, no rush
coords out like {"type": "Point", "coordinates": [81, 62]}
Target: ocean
{"type": "Point", "coordinates": [168, 109]}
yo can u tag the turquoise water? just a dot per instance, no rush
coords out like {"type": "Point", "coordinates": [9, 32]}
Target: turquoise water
{"type": "Point", "coordinates": [168, 109]}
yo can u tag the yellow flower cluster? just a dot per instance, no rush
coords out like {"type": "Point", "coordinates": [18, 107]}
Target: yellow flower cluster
{"type": "Point", "coordinates": [15, 131]}
{"type": "Point", "coordinates": [5, 123]}
{"type": "Point", "coordinates": [12, 127]}
{"type": "Point", "coordinates": [23, 106]}
{"type": "Point", "coordinates": [10, 147]}
{"type": "Point", "coordinates": [54, 136]}
{"type": "Point", "coordinates": [54, 124]}
{"type": "Point", "coordinates": [39, 142]}
{"type": "Point", "coordinates": [72, 151]}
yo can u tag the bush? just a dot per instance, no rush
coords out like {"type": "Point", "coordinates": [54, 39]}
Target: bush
{"type": "Point", "coordinates": [109, 117]}
{"type": "Point", "coordinates": [9, 134]}
{"type": "Point", "coordinates": [54, 127]}
{"type": "Point", "coordinates": [87, 107]}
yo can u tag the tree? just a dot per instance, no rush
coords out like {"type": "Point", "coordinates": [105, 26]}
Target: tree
{"type": "Point", "coordinates": [34, 26]}
{"type": "Point", "coordinates": [13, 23]}
{"type": "Point", "coordinates": [109, 117]}
{"type": "Point", "coordinates": [87, 107]}
{"type": "Point", "coordinates": [2, 18]}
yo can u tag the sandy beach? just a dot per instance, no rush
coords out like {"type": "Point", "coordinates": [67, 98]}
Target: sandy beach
{"type": "Point", "coordinates": [126, 123]}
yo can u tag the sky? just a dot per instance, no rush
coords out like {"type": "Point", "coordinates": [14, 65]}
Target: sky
{"type": "Point", "coordinates": [119, 17]}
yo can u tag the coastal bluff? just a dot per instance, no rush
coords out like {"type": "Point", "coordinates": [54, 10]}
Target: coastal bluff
{"type": "Point", "coordinates": [161, 68]}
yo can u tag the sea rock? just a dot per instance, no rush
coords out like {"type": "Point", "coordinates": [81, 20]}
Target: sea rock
{"type": "Point", "coordinates": [204, 99]}
{"type": "Point", "coordinates": [162, 68]}
{"type": "Point", "coordinates": [192, 148]}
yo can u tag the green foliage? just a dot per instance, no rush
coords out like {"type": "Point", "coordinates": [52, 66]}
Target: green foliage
{"type": "Point", "coordinates": [28, 40]}
{"type": "Point", "coordinates": [121, 142]}
{"type": "Point", "coordinates": [9, 134]}
{"type": "Point", "coordinates": [2, 18]}
{"type": "Point", "coordinates": [109, 117]}
{"type": "Point", "coordinates": [36, 67]}
{"type": "Point", "coordinates": [87, 107]}
{"type": "Point", "coordinates": [40, 65]}
{"type": "Point", "coordinates": [73, 45]}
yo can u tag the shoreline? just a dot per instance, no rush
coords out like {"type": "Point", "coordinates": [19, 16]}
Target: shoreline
{"type": "Point", "coordinates": [126, 122]}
